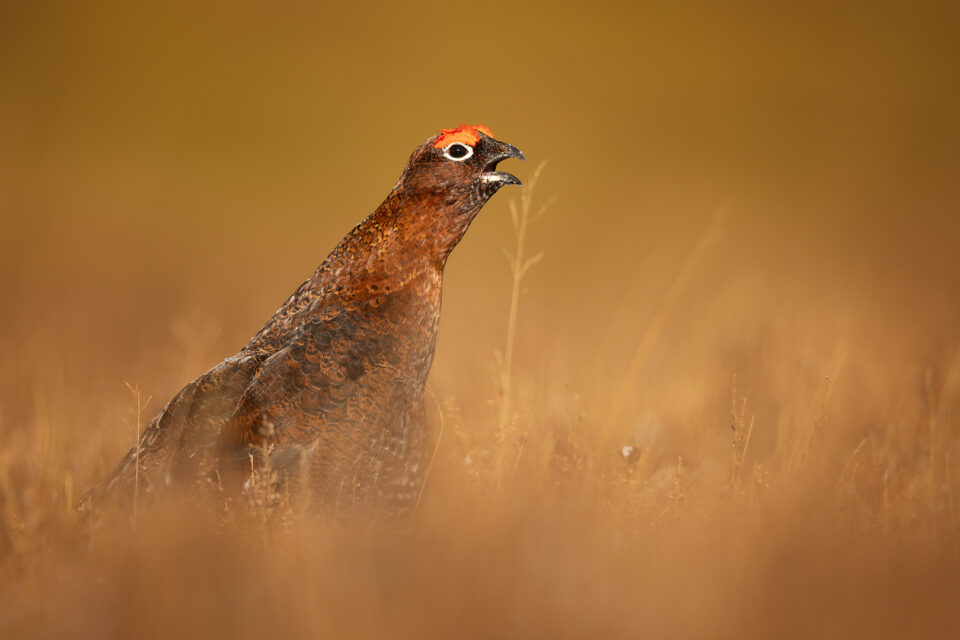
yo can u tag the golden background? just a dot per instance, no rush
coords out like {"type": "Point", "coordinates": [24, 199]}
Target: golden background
{"type": "Point", "coordinates": [754, 196]}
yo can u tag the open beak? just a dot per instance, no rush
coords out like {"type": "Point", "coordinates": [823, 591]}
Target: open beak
{"type": "Point", "coordinates": [499, 152]}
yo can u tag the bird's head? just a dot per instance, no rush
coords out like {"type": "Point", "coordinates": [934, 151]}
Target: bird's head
{"type": "Point", "coordinates": [458, 168]}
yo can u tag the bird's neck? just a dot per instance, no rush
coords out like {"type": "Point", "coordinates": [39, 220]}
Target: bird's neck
{"type": "Point", "coordinates": [401, 247]}
{"type": "Point", "coordinates": [407, 235]}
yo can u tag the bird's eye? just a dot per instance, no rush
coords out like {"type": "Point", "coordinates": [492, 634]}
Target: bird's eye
{"type": "Point", "coordinates": [457, 151]}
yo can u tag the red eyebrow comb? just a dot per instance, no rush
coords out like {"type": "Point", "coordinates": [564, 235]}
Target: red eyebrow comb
{"type": "Point", "coordinates": [465, 133]}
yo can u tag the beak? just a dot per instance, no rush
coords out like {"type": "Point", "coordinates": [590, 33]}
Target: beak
{"type": "Point", "coordinates": [498, 152]}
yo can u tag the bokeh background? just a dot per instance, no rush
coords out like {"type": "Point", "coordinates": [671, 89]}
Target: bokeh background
{"type": "Point", "coordinates": [755, 202]}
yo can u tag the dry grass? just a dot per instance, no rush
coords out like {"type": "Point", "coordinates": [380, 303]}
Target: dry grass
{"type": "Point", "coordinates": [768, 499]}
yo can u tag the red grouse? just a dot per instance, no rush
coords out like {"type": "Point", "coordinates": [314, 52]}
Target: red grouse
{"type": "Point", "coordinates": [334, 380]}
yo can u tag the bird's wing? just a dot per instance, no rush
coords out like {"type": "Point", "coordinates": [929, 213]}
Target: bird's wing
{"type": "Point", "coordinates": [182, 435]}
{"type": "Point", "coordinates": [327, 389]}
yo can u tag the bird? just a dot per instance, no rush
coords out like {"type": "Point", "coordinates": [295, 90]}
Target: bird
{"type": "Point", "coordinates": [332, 385]}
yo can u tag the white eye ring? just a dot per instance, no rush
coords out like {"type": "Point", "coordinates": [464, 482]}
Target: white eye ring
{"type": "Point", "coordinates": [446, 151]}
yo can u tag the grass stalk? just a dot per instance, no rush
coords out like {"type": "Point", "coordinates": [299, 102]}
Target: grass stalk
{"type": "Point", "coordinates": [521, 215]}
{"type": "Point", "coordinates": [138, 410]}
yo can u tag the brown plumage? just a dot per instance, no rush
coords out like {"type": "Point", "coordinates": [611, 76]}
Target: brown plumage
{"type": "Point", "coordinates": [333, 382]}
